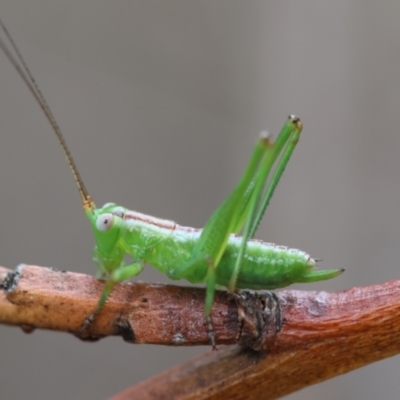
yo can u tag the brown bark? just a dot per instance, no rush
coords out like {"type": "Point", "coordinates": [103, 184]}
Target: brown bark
{"type": "Point", "coordinates": [323, 334]}
{"type": "Point", "coordinates": [38, 297]}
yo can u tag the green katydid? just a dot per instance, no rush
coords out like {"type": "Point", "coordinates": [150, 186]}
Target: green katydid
{"type": "Point", "coordinates": [214, 255]}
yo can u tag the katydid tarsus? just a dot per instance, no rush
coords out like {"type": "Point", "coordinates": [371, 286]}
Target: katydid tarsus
{"type": "Point", "coordinates": [214, 255]}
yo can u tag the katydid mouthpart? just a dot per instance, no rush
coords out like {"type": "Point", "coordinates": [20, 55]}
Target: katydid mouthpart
{"type": "Point", "coordinates": [214, 255]}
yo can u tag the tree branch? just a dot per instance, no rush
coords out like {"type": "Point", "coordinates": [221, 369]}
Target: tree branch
{"type": "Point", "coordinates": [323, 334]}
{"type": "Point", "coordinates": [38, 297]}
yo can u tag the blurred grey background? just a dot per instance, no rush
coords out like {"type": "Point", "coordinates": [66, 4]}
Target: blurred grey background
{"type": "Point", "coordinates": [161, 103]}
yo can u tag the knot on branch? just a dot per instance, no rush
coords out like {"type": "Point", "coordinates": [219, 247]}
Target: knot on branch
{"type": "Point", "coordinates": [260, 318]}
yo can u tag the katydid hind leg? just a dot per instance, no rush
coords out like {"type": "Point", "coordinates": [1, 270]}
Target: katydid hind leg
{"type": "Point", "coordinates": [256, 205]}
{"type": "Point", "coordinates": [214, 237]}
{"type": "Point", "coordinates": [289, 133]}
{"type": "Point", "coordinates": [280, 168]}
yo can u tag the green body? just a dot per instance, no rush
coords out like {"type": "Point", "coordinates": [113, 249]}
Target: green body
{"type": "Point", "coordinates": [166, 245]}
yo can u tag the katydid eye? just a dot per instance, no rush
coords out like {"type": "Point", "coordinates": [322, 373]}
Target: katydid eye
{"type": "Point", "coordinates": [105, 222]}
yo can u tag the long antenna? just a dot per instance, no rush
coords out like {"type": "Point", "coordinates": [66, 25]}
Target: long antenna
{"type": "Point", "coordinates": [26, 75]}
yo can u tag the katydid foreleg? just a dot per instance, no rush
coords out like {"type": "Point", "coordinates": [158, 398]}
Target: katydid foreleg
{"type": "Point", "coordinates": [119, 275]}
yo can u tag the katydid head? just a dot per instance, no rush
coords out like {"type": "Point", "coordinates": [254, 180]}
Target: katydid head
{"type": "Point", "coordinates": [106, 225]}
